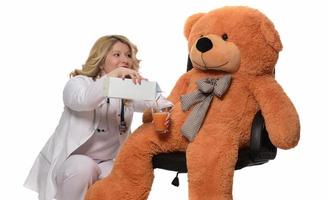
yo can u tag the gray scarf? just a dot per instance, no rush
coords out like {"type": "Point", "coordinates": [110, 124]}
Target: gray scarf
{"type": "Point", "coordinates": [202, 97]}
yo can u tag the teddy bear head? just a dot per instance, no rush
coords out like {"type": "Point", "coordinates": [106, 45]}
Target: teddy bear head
{"type": "Point", "coordinates": [234, 39]}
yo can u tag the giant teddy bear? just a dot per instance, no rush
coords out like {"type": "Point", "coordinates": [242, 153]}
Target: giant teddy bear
{"type": "Point", "coordinates": [233, 51]}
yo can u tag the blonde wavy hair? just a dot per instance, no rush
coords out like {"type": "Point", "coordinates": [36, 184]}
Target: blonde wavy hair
{"type": "Point", "coordinates": [98, 54]}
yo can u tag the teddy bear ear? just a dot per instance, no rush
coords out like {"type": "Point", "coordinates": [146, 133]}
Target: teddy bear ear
{"type": "Point", "coordinates": [271, 35]}
{"type": "Point", "coordinates": [190, 22]}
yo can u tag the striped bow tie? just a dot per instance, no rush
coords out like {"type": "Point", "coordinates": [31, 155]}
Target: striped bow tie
{"type": "Point", "coordinates": [207, 88]}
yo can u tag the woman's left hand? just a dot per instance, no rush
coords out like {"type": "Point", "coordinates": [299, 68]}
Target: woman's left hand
{"type": "Point", "coordinates": [167, 122]}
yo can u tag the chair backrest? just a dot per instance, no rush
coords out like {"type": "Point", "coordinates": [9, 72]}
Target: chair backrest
{"type": "Point", "coordinates": [189, 64]}
{"type": "Point", "coordinates": [261, 150]}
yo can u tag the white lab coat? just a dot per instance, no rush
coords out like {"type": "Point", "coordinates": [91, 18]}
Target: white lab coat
{"type": "Point", "coordinates": [82, 95]}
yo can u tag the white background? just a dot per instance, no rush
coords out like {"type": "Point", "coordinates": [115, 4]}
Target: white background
{"type": "Point", "coordinates": [41, 42]}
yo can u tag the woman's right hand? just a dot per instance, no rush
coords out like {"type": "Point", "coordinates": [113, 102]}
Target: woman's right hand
{"type": "Point", "coordinates": [122, 72]}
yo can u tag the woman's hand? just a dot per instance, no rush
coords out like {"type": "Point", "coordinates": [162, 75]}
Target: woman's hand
{"type": "Point", "coordinates": [167, 122]}
{"type": "Point", "coordinates": [122, 72]}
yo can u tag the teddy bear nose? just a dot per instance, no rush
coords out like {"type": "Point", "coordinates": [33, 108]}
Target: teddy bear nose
{"type": "Point", "coordinates": [204, 44]}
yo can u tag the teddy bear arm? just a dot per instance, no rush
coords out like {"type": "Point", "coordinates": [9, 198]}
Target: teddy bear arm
{"type": "Point", "coordinates": [281, 118]}
{"type": "Point", "coordinates": [179, 89]}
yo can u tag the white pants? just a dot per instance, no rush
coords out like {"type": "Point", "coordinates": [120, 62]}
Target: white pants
{"type": "Point", "coordinates": [77, 174]}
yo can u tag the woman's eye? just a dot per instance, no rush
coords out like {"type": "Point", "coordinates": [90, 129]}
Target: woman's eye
{"type": "Point", "coordinates": [224, 36]}
{"type": "Point", "coordinates": [116, 54]}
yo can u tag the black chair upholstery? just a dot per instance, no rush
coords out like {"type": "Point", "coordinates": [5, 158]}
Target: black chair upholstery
{"type": "Point", "coordinates": [260, 150]}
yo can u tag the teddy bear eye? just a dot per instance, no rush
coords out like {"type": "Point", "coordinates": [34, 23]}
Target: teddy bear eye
{"type": "Point", "coordinates": [224, 36]}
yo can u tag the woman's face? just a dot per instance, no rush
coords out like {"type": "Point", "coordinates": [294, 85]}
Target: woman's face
{"type": "Point", "coordinates": [119, 56]}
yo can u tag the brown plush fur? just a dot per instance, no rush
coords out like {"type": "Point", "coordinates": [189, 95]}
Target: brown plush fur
{"type": "Point", "coordinates": [252, 46]}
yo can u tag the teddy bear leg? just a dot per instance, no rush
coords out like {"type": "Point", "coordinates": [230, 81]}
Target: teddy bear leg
{"type": "Point", "coordinates": [132, 174]}
{"type": "Point", "coordinates": [211, 161]}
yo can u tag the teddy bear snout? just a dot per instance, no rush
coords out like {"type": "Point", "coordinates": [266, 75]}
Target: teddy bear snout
{"type": "Point", "coordinates": [204, 44]}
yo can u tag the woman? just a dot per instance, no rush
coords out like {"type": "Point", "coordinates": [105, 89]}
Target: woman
{"type": "Point", "coordinates": [92, 127]}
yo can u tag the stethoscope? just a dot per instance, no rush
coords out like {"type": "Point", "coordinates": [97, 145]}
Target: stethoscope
{"type": "Point", "coordinates": [122, 126]}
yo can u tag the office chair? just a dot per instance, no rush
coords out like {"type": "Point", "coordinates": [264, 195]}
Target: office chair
{"type": "Point", "coordinates": [260, 150]}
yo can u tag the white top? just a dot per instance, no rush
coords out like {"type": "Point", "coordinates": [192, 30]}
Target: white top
{"type": "Point", "coordinates": [103, 144]}
{"type": "Point", "coordinates": [84, 101]}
